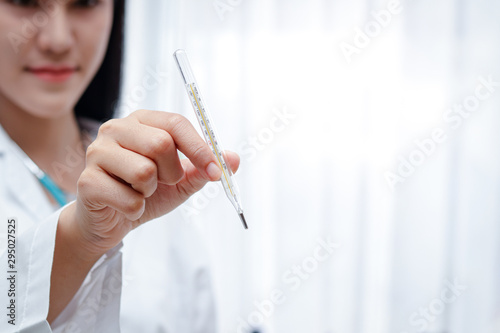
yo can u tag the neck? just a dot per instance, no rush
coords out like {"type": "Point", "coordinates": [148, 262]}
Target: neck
{"type": "Point", "coordinates": [46, 141]}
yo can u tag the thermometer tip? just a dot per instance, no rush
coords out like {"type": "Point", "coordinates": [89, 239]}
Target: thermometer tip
{"type": "Point", "coordinates": [242, 217]}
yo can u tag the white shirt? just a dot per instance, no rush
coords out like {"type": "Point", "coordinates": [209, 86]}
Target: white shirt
{"type": "Point", "coordinates": [158, 281]}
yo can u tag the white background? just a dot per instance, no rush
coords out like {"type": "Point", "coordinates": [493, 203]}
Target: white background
{"type": "Point", "coordinates": [322, 173]}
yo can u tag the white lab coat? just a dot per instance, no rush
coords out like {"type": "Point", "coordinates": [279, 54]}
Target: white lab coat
{"type": "Point", "coordinates": [157, 280]}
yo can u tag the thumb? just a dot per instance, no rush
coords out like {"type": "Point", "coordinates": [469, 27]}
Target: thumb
{"type": "Point", "coordinates": [194, 180]}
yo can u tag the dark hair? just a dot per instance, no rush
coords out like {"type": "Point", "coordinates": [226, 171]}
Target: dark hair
{"type": "Point", "coordinates": [98, 101]}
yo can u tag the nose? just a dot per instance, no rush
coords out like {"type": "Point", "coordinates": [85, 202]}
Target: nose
{"type": "Point", "coordinates": [56, 36]}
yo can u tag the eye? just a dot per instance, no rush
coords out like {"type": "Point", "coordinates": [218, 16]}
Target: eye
{"type": "Point", "coordinates": [24, 3]}
{"type": "Point", "coordinates": [86, 3]}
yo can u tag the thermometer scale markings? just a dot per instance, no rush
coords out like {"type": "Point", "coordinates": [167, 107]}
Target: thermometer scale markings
{"type": "Point", "coordinates": [208, 131]}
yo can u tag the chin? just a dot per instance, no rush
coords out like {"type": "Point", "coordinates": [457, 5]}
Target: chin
{"type": "Point", "coordinates": [50, 106]}
{"type": "Point", "coordinates": [50, 109]}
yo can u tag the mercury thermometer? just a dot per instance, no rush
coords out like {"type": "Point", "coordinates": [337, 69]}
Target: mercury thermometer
{"type": "Point", "coordinates": [208, 129]}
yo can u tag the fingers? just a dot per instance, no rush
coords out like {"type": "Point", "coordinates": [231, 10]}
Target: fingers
{"type": "Point", "coordinates": [110, 193]}
{"type": "Point", "coordinates": [153, 143]}
{"type": "Point", "coordinates": [133, 155]}
{"type": "Point", "coordinates": [232, 159]}
{"type": "Point", "coordinates": [133, 173]}
{"type": "Point", "coordinates": [185, 137]}
{"type": "Point", "coordinates": [138, 171]}
{"type": "Point", "coordinates": [194, 181]}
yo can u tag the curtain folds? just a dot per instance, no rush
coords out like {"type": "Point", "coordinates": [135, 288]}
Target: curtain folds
{"type": "Point", "coordinates": [369, 144]}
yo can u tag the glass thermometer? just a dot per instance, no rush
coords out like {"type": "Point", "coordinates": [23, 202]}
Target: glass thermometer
{"type": "Point", "coordinates": [208, 129]}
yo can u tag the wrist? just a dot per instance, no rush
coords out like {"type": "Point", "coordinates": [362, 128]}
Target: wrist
{"type": "Point", "coordinates": [70, 233]}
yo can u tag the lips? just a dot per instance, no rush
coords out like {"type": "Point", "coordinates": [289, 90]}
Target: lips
{"type": "Point", "coordinates": [53, 74]}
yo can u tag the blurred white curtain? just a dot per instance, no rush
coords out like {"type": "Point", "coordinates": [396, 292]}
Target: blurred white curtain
{"type": "Point", "coordinates": [318, 133]}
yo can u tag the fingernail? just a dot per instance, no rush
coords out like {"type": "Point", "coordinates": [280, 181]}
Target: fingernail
{"type": "Point", "coordinates": [213, 171]}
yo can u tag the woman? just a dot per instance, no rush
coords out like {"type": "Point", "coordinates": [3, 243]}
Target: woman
{"type": "Point", "coordinates": [60, 64]}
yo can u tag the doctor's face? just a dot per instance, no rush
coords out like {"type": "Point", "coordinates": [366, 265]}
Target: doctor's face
{"type": "Point", "coordinates": [49, 52]}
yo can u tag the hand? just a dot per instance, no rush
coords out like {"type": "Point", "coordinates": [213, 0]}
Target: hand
{"type": "Point", "coordinates": [133, 174]}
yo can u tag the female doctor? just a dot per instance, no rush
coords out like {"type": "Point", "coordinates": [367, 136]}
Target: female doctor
{"type": "Point", "coordinates": [59, 75]}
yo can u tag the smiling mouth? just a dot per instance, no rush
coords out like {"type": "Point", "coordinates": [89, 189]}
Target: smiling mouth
{"type": "Point", "coordinates": [52, 74]}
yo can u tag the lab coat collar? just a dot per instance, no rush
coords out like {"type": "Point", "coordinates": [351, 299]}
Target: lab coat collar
{"type": "Point", "coordinates": [4, 139]}
{"type": "Point", "coordinates": [21, 184]}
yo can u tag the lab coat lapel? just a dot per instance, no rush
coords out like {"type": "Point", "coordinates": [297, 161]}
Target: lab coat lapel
{"type": "Point", "coordinates": [21, 184]}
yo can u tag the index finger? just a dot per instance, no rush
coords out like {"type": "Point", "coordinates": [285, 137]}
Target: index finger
{"type": "Point", "coordinates": [186, 139]}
